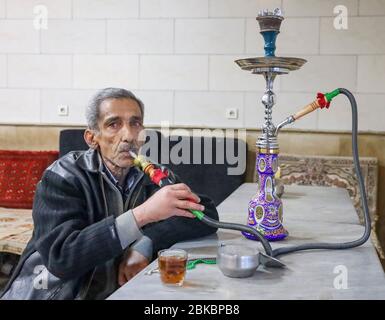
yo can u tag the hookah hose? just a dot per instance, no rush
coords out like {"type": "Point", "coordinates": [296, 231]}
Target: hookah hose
{"type": "Point", "coordinates": [161, 178]}
{"type": "Point", "coordinates": [365, 236]}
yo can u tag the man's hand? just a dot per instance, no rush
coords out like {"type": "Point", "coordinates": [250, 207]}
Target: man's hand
{"type": "Point", "coordinates": [132, 264]}
{"type": "Point", "coordinates": [172, 200]}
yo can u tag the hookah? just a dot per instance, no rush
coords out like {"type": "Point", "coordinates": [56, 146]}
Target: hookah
{"type": "Point", "coordinates": [265, 210]}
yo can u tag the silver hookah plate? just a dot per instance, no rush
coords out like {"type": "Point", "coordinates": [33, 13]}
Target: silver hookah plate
{"type": "Point", "coordinates": [278, 65]}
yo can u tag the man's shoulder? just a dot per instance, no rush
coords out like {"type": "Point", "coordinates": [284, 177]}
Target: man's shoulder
{"type": "Point", "coordinates": [73, 163]}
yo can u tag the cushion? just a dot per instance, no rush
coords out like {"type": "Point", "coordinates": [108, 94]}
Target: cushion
{"type": "Point", "coordinates": [215, 178]}
{"type": "Point", "coordinates": [20, 171]}
{"type": "Point", "coordinates": [71, 140]}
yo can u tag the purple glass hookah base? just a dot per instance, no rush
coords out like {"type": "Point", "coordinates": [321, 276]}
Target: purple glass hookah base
{"type": "Point", "coordinates": [265, 208]}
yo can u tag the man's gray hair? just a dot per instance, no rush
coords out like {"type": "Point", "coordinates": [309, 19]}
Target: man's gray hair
{"type": "Point", "coordinates": [93, 108]}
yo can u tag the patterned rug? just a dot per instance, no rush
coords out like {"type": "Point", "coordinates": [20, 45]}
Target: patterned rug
{"type": "Point", "coordinates": [16, 228]}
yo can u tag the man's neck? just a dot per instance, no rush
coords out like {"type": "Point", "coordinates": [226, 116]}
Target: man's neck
{"type": "Point", "coordinates": [119, 173]}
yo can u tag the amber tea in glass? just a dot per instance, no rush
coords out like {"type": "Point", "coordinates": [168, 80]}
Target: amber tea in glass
{"type": "Point", "coordinates": [172, 266]}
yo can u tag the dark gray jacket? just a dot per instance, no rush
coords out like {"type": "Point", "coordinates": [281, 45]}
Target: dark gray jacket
{"type": "Point", "coordinates": [74, 213]}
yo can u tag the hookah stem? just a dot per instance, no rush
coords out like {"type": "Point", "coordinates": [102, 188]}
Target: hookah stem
{"type": "Point", "coordinates": [365, 236]}
{"type": "Point", "coordinates": [161, 179]}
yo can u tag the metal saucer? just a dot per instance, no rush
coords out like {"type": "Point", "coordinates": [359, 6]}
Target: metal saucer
{"type": "Point", "coordinates": [278, 65]}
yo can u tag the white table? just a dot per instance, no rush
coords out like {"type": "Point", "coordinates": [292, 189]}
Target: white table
{"type": "Point", "coordinates": [311, 214]}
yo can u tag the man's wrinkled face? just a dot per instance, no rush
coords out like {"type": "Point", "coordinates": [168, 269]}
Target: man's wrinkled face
{"type": "Point", "coordinates": [120, 122]}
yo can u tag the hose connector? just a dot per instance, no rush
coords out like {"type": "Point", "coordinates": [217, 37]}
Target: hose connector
{"type": "Point", "coordinates": [323, 101]}
{"type": "Point", "coordinates": [156, 174]}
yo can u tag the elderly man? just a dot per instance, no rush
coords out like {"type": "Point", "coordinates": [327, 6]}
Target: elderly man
{"type": "Point", "coordinates": [98, 219]}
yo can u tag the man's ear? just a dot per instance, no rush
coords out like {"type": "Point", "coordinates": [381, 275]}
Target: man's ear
{"type": "Point", "coordinates": [89, 137]}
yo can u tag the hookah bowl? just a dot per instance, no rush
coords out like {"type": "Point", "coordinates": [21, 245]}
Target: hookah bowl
{"type": "Point", "coordinates": [265, 211]}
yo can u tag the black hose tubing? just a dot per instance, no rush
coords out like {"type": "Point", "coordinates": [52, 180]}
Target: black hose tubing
{"type": "Point", "coordinates": [365, 236]}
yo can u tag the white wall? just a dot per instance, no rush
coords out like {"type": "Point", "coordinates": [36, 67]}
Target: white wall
{"type": "Point", "coordinates": [178, 56]}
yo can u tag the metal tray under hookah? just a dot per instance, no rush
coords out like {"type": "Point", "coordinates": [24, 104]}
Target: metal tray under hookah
{"type": "Point", "coordinates": [278, 65]}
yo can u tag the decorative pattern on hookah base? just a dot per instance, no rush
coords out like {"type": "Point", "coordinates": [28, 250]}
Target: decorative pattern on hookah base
{"type": "Point", "coordinates": [265, 208]}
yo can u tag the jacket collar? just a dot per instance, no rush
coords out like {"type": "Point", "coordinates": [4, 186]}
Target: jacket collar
{"type": "Point", "coordinates": [90, 160]}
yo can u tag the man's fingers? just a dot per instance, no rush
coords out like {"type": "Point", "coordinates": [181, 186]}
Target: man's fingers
{"type": "Point", "coordinates": [129, 275]}
{"type": "Point", "coordinates": [180, 186]}
{"type": "Point", "coordinates": [186, 195]}
{"type": "Point", "coordinates": [185, 204]}
{"type": "Point", "coordinates": [183, 213]}
{"type": "Point", "coordinates": [182, 191]}
{"type": "Point", "coordinates": [122, 277]}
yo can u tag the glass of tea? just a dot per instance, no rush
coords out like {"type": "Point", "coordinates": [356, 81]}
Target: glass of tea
{"type": "Point", "coordinates": [172, 266]}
